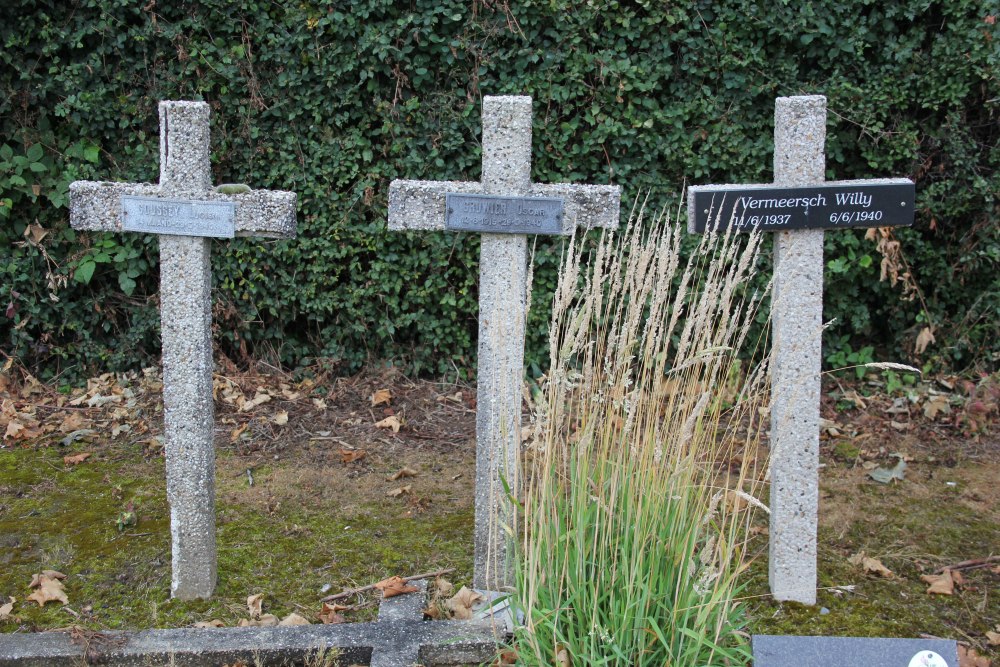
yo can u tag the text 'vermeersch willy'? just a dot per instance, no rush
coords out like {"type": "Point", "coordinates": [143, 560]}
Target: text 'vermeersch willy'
{"type": "Point", "coordinates": [818, 200]}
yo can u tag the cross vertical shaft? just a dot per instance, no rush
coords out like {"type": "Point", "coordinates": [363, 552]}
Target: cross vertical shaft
{"type": "Point", "coordinates": [502, 282]}
{"type": "Point", "coordinates": [503, 306]}
{"type": "Point", "coordinates": [797, 312]}
{"type": "Point", "coordinates": [186, 331]}
{"type": "Point", "coordinates": [185, 311]}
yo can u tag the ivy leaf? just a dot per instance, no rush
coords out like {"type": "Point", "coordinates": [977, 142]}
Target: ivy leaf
{"type": "Point", "coordinates": [85, 272]}
{"type": "Point", "coordinates": [126, 283]}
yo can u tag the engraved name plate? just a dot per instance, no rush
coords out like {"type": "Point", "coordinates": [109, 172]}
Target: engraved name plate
{"type": "Point", "coordinates": [504, 215]}
{"type": "Point", "coordinates": [179, 217]}
{"type": "Point", "coordinates": [838, 204]}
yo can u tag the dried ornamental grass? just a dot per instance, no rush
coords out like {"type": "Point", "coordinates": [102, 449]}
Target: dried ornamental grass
{"type": "Point", "coordinates": [633, 537]}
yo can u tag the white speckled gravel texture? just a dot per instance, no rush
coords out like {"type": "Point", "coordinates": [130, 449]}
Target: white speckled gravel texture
{"type": "Point", "coordinates": [797, 313]}
{"type": "Point", "coordinates": [420, 205]}
{"type": "Point", "coordinates": [186, 325]}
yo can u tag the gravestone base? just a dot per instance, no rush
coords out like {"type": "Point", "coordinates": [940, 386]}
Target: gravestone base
{"type": "Point", "coordinates": [796, 651]}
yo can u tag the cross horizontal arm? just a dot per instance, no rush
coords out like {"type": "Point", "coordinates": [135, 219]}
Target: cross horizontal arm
{"type": "Point", "coordinates": [96, 206]}
{"type": "Point", "coordinates": [586, 206]}
{"type": "Point", "coordinates": [421, 204]}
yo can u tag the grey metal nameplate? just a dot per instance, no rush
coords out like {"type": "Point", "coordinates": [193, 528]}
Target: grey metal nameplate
{"type": "Point", "coordinates": [835, 205]}
{"type": "Point", "coordinates": [178, 217]}
{"type": "Point", "coordinates": [791, 651]}
{"type": "Point", "coordinates": [504, 215]}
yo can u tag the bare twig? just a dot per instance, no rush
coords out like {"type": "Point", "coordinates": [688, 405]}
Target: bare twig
{"type": "Point", "coordinates": [972, 564]}
{"type": "Point", "coordinates": [362, 589]}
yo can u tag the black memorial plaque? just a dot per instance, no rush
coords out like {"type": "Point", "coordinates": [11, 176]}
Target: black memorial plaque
{"type": "Point", "coordinates": [493, 214]}
{"type": "Point", "coordinates": [833, 205]}
{"type": "Point", "coordinates": [791, 651]}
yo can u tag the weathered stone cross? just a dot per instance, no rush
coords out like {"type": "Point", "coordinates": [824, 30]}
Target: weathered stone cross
{"type": "Point", "coordinates": [505, 200]}
{"type": "Point", "coordinates": [185, 211]}
{"type": "Point", "coordinates": [799, 205]}
{"type": "Point", "coordinates": [399, 638]}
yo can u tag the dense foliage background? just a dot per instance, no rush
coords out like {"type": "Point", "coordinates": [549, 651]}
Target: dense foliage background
{"type": "Point", "coordinates": [335, 99]}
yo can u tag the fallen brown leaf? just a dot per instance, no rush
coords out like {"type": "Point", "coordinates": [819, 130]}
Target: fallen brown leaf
{"type": "Point", "coordinates": [280, 418]}
{"type": "Point", "coordinates": [259, 398]}
{"type": "Point", "coordinates": [392, 421]}
{"type": "Point", "coordinates": [443, 587]}
{"type": "Point", "coordinates": [76, 459]}
{"type": "Point", "coordinates": [992, 636]}
{"type": "Point", "coordinates": [940, 584]}
{"type": "Point", "coordinates": [936, 405]}
{"type": "Point", "coordinates": [562, 656]}
{"type": "Point", "coordinates": [868, 564]}
{"type": "Point", "coordinates": [13, 428]}
{"type": "Point", "coordinates": [394, 586]}
{"type": "Point", "coordinates": [381, 396]}
{"type": "Point", "coordinates": [294, 619]}
{"type": "Point", "coordinates": [35, 232]}
{"type": "Point", "coordinates": [395, 493]}
{"type": "Point", "coordinates": [237, 432]}
{"type": "Point", "coordinates": [507, 657]}
{"type": "Point", "coordinates": [214, 623]}
{"type": "Point", "coordinates": [254, 603]}
{"type": "Point", "coordinates": [265, 621]}
{"type": "Point", "coordinates": [399, 474]}
{"type": "Point", "coordinates": [351, 455]}
{"type": "Point", "coordinates": [968, 657]}
{"type": "Point", "coordinates": [329, 614]}
{"type": "Point", "coordinates": [460, 605]}
{"type": "Point", "coordinates": [49, 588]}
{"type": "Point", "coordinates": [74, 421]}
{"type": "Point", "coordinates": [924, 338]}
{"type": "Point", "coordinates": [5, 609]}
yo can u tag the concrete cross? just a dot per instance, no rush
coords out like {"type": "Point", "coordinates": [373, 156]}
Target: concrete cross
{"type": "Point", "coordinates": [399, 638]}
{"type": "Point", "coordinates": [186, 312]}
{"type": "Point", "coordinates": [422, 205]}
{"type": "Point", "coordinates": [798, 206]}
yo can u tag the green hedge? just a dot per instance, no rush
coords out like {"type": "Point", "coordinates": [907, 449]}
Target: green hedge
{"type": "Point", "coordinates": [335, 99]}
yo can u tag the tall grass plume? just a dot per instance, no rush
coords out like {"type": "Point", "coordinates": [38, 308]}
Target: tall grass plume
{"type": "Point", "coordinates": [637, 502]}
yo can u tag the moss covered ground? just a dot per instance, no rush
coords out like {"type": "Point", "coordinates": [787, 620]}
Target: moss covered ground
{"type": "Point", "coordinates": [314, 522]}
{"type": "Point", "coordinates": [283, 543]}
{"type": "Point", "coordinates": [938, 517]}
{"type": "Point", "coordinates": [296, 518]}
